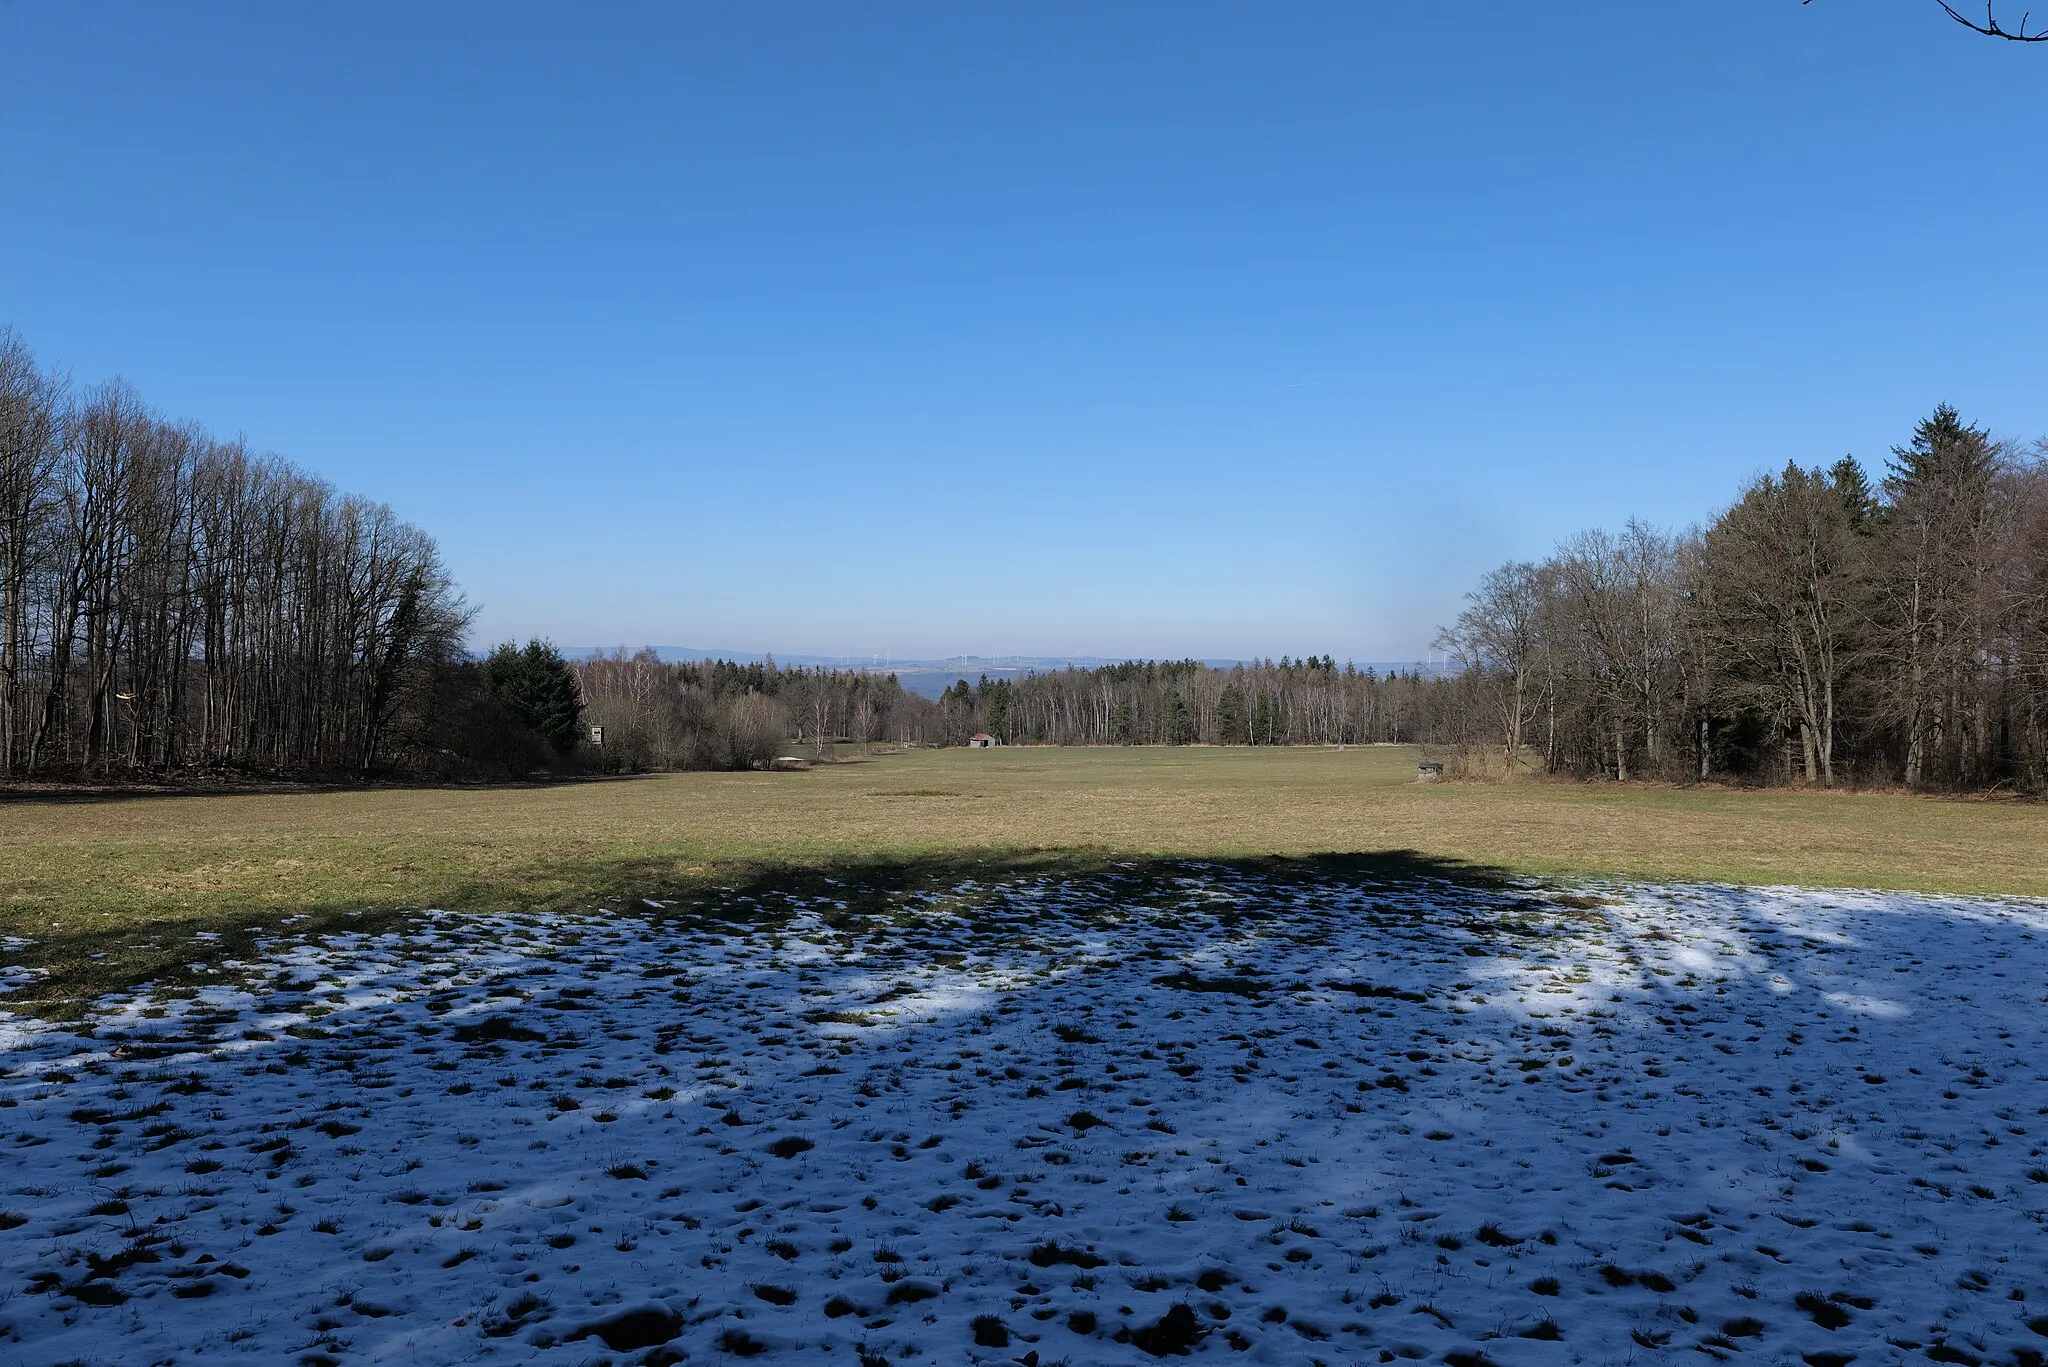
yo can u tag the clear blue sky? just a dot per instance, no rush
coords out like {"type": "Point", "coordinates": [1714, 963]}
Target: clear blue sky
{"type": "Point", "coordinates": [1177, 328]}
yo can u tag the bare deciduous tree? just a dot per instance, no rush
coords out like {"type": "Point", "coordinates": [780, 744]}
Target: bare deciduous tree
{"type": "Point", "coordinates": [1787, 577]}
{"type": "Point", "coordinates": [1498, 635]}
{"type": "Point", "coordinates": [167, 601]}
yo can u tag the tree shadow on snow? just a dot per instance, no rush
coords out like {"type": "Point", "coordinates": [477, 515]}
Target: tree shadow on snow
{"type": "Point", "coordinates": [79, 961]}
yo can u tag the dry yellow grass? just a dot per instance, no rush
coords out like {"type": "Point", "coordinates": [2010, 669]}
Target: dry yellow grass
{"type": "Point", "coordinates": [133, 877]}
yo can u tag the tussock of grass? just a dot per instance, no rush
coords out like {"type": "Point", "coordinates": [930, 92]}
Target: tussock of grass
{"type": "Point", "coordinates": [1052, 1254]}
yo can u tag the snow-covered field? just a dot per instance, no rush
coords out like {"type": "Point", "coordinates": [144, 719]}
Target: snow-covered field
{"type": "Point", "coordinates": [1264, 1121]}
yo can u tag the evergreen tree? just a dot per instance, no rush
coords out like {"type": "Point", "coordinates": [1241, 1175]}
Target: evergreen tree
{"type": "Point", "coordinates": [997, 711]}
{"type": "Point", "coordinates": [1856, 494]}
{"type": "Point", "coordinates": [1230, 715]}
{"type": "Point", "coordinates": [1945, 452]}
{"type": "Point", "coordinates": [537, 686]}
{"type": "Point", "coordinates": [1173, 718]}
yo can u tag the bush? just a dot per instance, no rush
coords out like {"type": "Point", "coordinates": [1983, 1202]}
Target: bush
{"type": "Point", "coordinates": [745, 733]}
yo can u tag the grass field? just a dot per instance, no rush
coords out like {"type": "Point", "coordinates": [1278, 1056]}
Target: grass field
{"type": "Point", "coordinates": [1058, 1056]}
{"type": "Point", "coordinates": [135, 879]}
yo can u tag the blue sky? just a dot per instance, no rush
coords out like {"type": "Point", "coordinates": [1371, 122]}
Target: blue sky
{"type": "Point", "coordinates": [1163, 329]}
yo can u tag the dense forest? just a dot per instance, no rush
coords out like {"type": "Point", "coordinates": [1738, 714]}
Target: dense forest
{"type": "Point", "coordinates": [1821, 630]}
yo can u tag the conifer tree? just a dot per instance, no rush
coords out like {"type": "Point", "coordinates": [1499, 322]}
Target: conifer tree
{"type": "Point", "coordinates": [537, 686]}
{"type": "Point", "coordinates": [1173, 718]}
{"type": "Point", "coordinates": [1230, 714]}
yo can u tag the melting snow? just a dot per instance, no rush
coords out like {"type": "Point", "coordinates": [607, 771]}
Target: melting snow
{"type": "Point", "coordinates": [1095, 1121]}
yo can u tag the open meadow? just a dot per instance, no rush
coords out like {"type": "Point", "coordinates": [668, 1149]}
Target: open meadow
{"type": "Point", "coordinates": [1025, 1057]}
{"type": "Point", "coordinates": [135, 879]}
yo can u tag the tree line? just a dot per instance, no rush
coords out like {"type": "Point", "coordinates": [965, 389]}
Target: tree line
{"type": "Point", "coordinates": [1822, 629]}
{"type": "Point", "coordinates": [717, 714]}
{"type": "Point", "coordinates": [173, 602]}
{"type": "Point", "coordinates": [1310, 701]}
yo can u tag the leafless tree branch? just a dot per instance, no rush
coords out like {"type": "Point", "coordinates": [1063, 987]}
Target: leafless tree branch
{"type": "Point", "coordinates": [1990, 28]}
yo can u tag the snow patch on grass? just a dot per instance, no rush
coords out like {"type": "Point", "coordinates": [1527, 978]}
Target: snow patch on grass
{"type": "Point", "coordinates": [1304, 1121]}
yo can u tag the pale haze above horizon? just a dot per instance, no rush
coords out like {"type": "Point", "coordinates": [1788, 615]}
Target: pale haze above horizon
{"type": "Point", "coordinates": [921, 330]}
